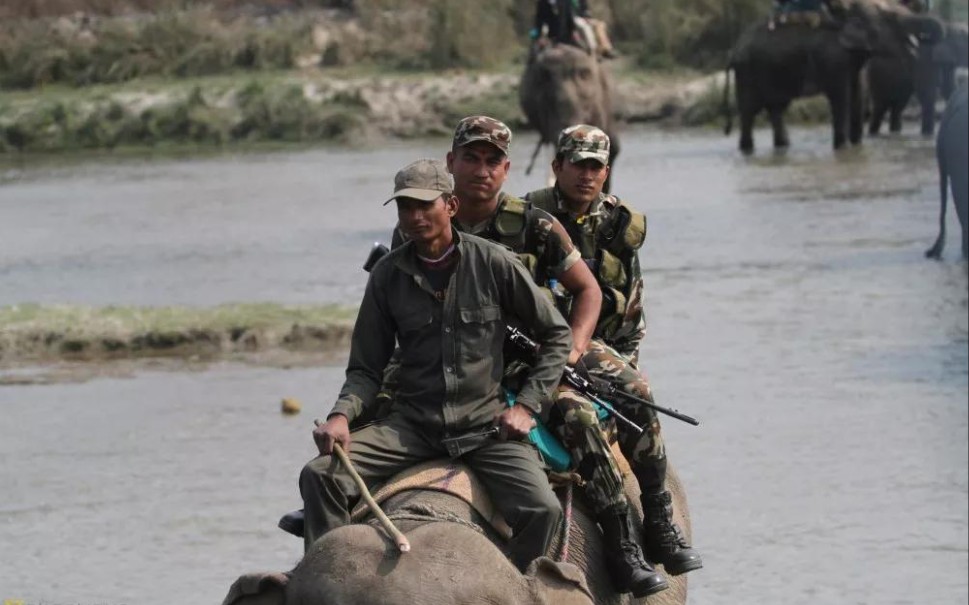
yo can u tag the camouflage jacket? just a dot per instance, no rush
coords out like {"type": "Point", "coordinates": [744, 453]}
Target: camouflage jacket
{"type": "Point", "coordinates": [609, 238]}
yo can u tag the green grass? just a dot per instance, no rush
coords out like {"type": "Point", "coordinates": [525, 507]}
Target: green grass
{"type": "Point", "coordinates": [119, 320]}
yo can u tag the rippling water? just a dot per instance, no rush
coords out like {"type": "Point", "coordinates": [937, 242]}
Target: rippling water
{"type": "Point", "coordinates": [790, 309]}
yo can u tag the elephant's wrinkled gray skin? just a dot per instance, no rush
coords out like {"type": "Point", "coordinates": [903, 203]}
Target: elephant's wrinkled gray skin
{"type": "Point", "coordinates": [772, 67]}
{"type": "Point", "coordinates": [451, 562]}
{"type": "Point", "coordinates": [914, 58]}
{"type": "Point", "coordinates": [563, 85]}
{"type": "Point", "coordinates": [952, 153]}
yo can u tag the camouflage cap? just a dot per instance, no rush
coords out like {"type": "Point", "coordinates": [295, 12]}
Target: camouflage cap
{"type": "Point", "coordinates": [482, 128]}
{"type": "Point", "coordinates": [583, 142]}
{"type": "Point", "coordinates": [422, 180]}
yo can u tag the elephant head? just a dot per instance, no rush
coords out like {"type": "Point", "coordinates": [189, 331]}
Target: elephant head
{"type": "Point", "coordinates": [562, 86]}
{"type": "Point", "coordinates": [456, 557]}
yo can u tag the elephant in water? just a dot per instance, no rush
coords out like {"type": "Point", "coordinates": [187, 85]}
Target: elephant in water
{"type": "Point", "coordinates": [456, 554]}
{"type": "Point", "coordinates": [952, 153]}
{"type": "Point", "coordinates": [563, 85]}
{"type": "Point", "coordinates": [918, 57]}
{"type": "Point", "coordinates": [774, 64]}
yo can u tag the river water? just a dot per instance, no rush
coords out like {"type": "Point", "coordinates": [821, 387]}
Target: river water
{"type": "Point", "coordinates": [790, 310]}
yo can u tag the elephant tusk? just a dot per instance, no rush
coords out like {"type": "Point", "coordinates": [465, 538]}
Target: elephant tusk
{"type": "Point", "coordinates": [402, 544]}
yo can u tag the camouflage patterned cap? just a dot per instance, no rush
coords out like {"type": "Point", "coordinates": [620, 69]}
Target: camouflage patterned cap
{"type": "Point", "coordinates": [482, 128]}
{"type": "Point", "coordinates": [583, 142]}
{"type": "Point", "coordinates": [422, 180]}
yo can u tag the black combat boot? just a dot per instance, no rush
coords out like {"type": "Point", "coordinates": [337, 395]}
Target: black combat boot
{"type": "Point", "coordinates": [629, 570]}
{"type": "Point", "coordinates": [664, 541]}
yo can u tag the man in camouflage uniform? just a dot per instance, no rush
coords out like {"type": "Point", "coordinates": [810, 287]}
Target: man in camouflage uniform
{"type": "Point", "coordinates": [479, 162]}
{"type": "Point", "coordinates": [609, 234]}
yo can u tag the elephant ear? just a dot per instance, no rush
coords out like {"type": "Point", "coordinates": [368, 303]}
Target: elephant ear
{"type": "Point", "coordinates": [559, 580]}
{"type": "Point", "coordinates": [260, 588]}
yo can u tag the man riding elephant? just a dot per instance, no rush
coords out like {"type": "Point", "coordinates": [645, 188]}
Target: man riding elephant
{"type": "Point", "coordinates": [479, 162]}
{"type": "Point", "coordinates": [445, 298]}
{"type": "Point", "coordinates": [569, 22]}
{"type": "Point", "coordinates": [608, 234]}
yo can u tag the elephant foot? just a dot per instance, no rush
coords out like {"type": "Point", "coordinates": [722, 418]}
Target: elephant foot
{"type": "Point", "coordinates": [747, 148]}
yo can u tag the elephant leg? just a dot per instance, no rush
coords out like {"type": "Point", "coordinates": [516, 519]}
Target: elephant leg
{"type": "Point", "coordinates": [926, 86]}
{"type": "Point", "coordinates": [838, 102]}
{"type": "Point", "coordinates": [879, 108]}
{"type": "Point", "coordinates": [856, 118]}
{"type": "Point", "coordinates": [747, 108]}
{"type": "Point", "coordinates": [781, 140]}
{"type": "Point", "coordinates": [895, 119]}
{"type": "Point", "coordinates": [947, 80]}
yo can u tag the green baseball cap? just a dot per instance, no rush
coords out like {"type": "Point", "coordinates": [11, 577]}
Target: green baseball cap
{"type": "Point", "coordinates": [583, 142]}
{"type": "Point", "coordinates": [422, 180]}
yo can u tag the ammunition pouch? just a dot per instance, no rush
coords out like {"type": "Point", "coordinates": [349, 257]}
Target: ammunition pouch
{"type": "Point", "coordinates": [625, 231]}
{"type": "Point", "coordinates": [609, 269]}
{"type": "Point", "coordinates": [613, 310]}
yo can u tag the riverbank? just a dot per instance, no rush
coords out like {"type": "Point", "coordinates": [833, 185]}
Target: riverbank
{"type": "Point", "coordinates": [312, 105]}
{"type": "Point", "coordinates": [39, 334]}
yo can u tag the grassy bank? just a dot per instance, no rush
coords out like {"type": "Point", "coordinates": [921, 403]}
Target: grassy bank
{"type": "Point", "coordinates": [47, 333]}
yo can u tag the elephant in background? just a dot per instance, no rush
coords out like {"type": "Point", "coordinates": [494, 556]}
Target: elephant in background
{"type": "Point", "coordinates": [456, 558]}
{"type": "Point", "coordinates": [774, 65]}
{"type": "Point", "coordinates": [952, 154]}
{"type": "Point", "coordinates": [908, 62]}
{"type": "Point", "coordinates": [563, 85]}
{"type": "Point", "coordinates": [951, 53]}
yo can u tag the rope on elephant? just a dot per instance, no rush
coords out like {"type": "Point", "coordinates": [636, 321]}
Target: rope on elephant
{"type": "Point", "coordinates": [567, 525]}
{"type": "Point", "coordinates": [427, 513]}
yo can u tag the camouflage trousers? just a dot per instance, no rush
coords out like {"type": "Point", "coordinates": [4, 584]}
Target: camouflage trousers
{"type": "Point", "coordinates": [645, 451]}
{"type": "Point", "coordinates": [574, 421]}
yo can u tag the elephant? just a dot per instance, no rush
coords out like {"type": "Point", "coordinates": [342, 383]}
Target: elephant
{"type": "Point", "coordinates": [949, 54]}
{"type": "Point", "coordinates": [563, 85]}
{"type": "Point", "coordinates": [908, 64]}
{"type": "Point", "coordinates": [952, 154]}
{"type": "Point", "coordinates": [456, 555]}
{"type": "Point", "coordinates": [773, 65]}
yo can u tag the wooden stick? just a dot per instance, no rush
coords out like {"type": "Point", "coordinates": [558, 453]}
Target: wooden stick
{"type": "Point", "coordinates": [403, 545]}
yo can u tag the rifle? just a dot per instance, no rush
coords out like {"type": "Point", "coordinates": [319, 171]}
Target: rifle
{"type": "Point", "coordinates": [598, 392]}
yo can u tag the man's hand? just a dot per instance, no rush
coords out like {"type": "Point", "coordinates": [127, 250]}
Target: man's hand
{"type": "Point", "coordinates": [575, 356]}
{"type": "Point", "coordinates": [514, 423]}
{"type": "Point", "coordinates": [336, 429]}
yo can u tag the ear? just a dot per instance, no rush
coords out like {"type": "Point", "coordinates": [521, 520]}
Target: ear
{"type": "Point", "coordinates": [451, 205]}
{"type": "Point", "coordinates": [560, 580]}
{"type": "Point", "coordinates": [449, 160]}
{"type": "Point", "coordinates": [258, 589]}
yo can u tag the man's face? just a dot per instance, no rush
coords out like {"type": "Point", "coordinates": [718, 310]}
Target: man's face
{"type": "Point", "coordinates": [479, 169]}
{"type": "Point", "coordinates": [425, 221]}
{"type": "Point", "coordinates": [580, 182]}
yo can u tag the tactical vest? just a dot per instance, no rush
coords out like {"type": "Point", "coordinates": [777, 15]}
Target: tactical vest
{"type": "Point", "coordinates": [609, 248]}
{"type": "Point", "coordinates": [511, 226]}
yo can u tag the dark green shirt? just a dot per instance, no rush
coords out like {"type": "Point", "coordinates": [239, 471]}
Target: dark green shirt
{"type": "Point", "coordinates": [451, 359]}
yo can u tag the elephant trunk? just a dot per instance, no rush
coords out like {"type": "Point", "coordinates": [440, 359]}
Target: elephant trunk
{"type": "Point", "coordinates": [725, 107]}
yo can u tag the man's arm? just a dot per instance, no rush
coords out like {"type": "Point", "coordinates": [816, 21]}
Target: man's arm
{"type": "Point", "coordinates": [582, 285]}
{"type": "Point", "coordinates": [522, 298]}
{"type": "Point", "coordinates": [370, 348]}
